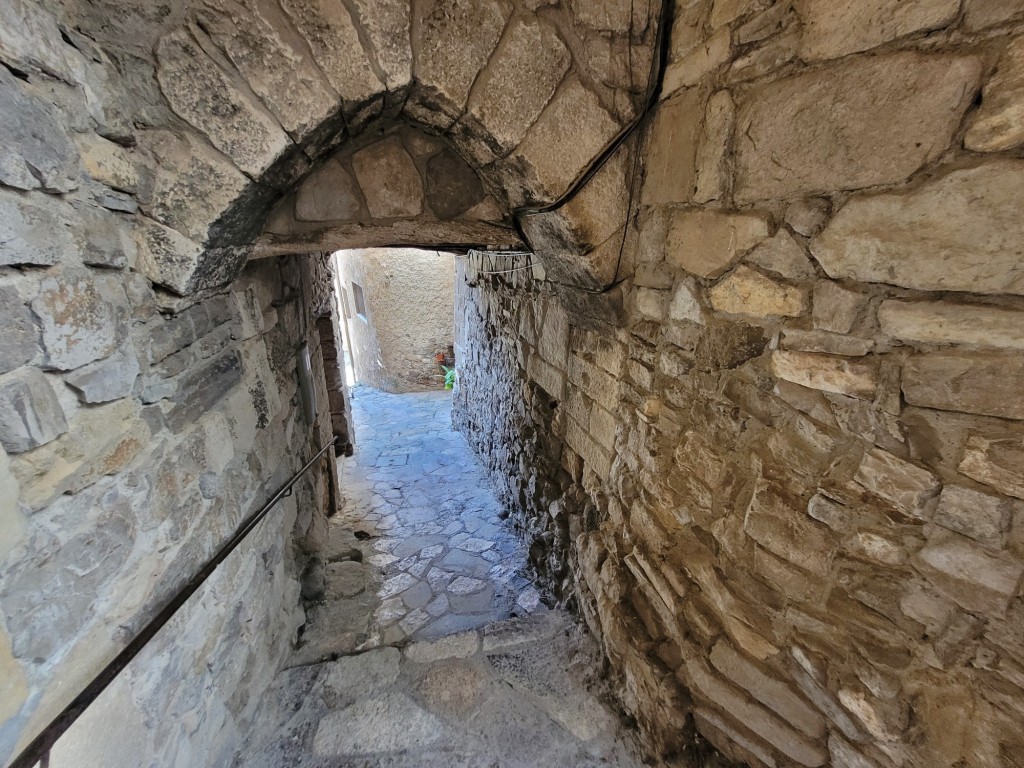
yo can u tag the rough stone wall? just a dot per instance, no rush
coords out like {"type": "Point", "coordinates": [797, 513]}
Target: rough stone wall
{"type": "Point", "coordinates": [794, 465]}
{"type": "Point", "coordinates": [409, 300]}
{"type": "Point", "coordinates": [127, 463]}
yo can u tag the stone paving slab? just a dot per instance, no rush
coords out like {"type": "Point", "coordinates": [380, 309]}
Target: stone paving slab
{"type": "Point", "coordinates": [419, 547]}
{"type": "Point", "coordinates": [532, 700]}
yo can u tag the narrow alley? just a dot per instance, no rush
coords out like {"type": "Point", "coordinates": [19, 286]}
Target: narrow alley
{"type": "Point", "coordinates": [431, 647]}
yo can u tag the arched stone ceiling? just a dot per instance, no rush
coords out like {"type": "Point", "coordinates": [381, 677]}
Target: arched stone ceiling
{"type": "Point", "coordinates": [231, 108]}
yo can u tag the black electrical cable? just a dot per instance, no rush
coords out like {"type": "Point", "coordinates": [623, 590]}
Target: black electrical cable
{"type": "Point", "coordinates": [660, 61]}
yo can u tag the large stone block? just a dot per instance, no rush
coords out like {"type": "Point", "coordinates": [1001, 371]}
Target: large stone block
{"type": "Point", "coordinates": [770, 691]}
{"type": "Point", "coordinates": [974, 578]}
{"type": "Point", "coordinates": [529, 52]}
{"type": "Point", "coordinates": [389, 180]}
{"type": "Point", "coordinates": [713, 171]}
{"type": "Point", "coordinates": [452, 186]}
{"type": "Point", "coordinates": [203, 387]}
{"type": "Point", "coordinates": [984, 518]}
{"type": "Point", "coordinates": [330, 193]}
{"type": "Point", "coordinates": [787, 532]}
{"type": "Point", "coordinates": [19, 340]}
{"type": "Point", "coordinates": [671, 172]}
{"type": "Point", "coordinates": [31, 40]}
{"type": "Point", "coordinates": [452, 44]}
{"type": "Point", "coordinates": [558, 156]}
{"type": "Point", "coordinates": [706, 242]}
{"type": "Point", "coordinates": [758, 719]}
{"type": "Point", "coordinates": [864, 122]}
{"type": "Point", "coordinates": [826, 372]}
{"type": "Point", "coordinates": [337, 50]}
{"type": "Point", "coordinates": [203, 95]}
{"type": "Point", "coordinates": [108, 163]}
{"type": "Point", "coordinates": [100, 441]}
{"type": "Point", "coordinates": [291, 85]}
{"type": "Point", "coordinates": [997, 463]}
{"type": "Point", "coordinates": [987, 384]}
{"type": "Point", "coordinates": [387, 25]}
{"type": "Point", "coordinates": [747, 291]}
{"type": "Point", "coordinates": [944, 322]}
{"type": "Point", "coordinates": [986, 13]}
{"type": "Point", "coordinates": [906, 486]}
{"type": "Point", "coordinates": [30, 414]}
{"type": "Point", "coordinates": [836, 308]}
{"type": "Point", "coordinates": [108, 379]}
{"type": "Point", "coordinates": [962, 232]}
{"type": "Point", "coordinates": [783, 256]}
{"type": "Point", "coordinates": [193, 186]}
{"type": "Point", "coordinates": [78, 324]}
{"type": "Point", "coordinates": [999, 122]}
{"type": "Point", "coordinates": [35, 230]}
{"type": "Point", "coordinates": [35, 151]}
{"type": "Point", "coordinates": [831, 29]}
{"type": "Point", "coordinates": [169, 259]}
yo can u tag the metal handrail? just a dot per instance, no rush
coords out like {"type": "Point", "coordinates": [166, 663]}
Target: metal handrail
{"type": "Point", "coordinates": [39, 748]}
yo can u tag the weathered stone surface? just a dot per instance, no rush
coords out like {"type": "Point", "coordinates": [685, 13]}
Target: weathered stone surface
{"type": "Point", "coordinates": [30, 414]}
{"type": "Point", "coordinates": [823, 341]}
{"type": "Point", "coordinates": [807, 216]}
{"type": "Point", "coordinates": [328, 194]}
{"type": "Point", "coordinates": [106, 380]}
{"type": "Point", "coordinates": [706, 242]}
{"type": "Point", "coordinates": [836, 308]}
{"type": "Point", "coordinates": [969, 575]}
{"type": "Point", "coordinates": [699, 62]}
{"type": "Point", "coordinates": [452, 186]}
{"type": "Point", "coordinates": [389, 180]}
{"type": "Point", "coordinates": [387, 25]}
{"type": "Point", "coordinates": [558, 156]}
{"type": "Point", "coordinates": [984, 518]}
{"type": "Point", "coordinates": [949, 323]}
{"type": "Point", "coordinates": [107, 162]}
{"type": "Point", "coordinates": [999, 122]}
{"type": "Point", "coordinates": [13, 524]}
{"type": "Point", "coordinates": [766, 725]}
{"type": "Point", "coordinates": [34, 230]}
{"type": "Point", "coordinates": [904, 485]}
{"type": "Point", "coordinates": [193, 187]}
{"type": "Point", "coordinates": [986, 13]}
{"type": "Point", "coordinates": [826, 372]}
{"type": "Point", "coordinates": [35, 151]}
{"type": "Point", "coordinates": [784, 256]}
{"type": "Point", "coordinates": [100, 441]}
{"type": "Point", "coordinates": [458, 646]}
{"type": "Point", "coordinates": [386, 723]}
{"type": "Point", "coordinates": [959, 233]}
{"type": "Point", "coordinates": [713, 148]}
{"type": "Point", "coordinates": [13, 686]}
{"type": "Point", "coordinates": [685, 305]}
{"type": "Point", "coordinates": [747, 291]}
{"type": "Point", "coordinates": [30, 40]}
{"type": "Point", "coordinates": [786, 532]}
{"type": "Point", "coordinates": [865, 122]}
{"type": "Point", "coordinates": [203, 95]}
{"type": "Point", "coordinates": [169, 259]}
{"type": "Point", "coordinates": [988, 385]}
{"type": "Point", "coordinates": [530, 52]}
{"type": "Point", "coordinates": [671, 171]}
{"type": "Point", "coordinates": [997, 463]}
{"type": "Point", "coordinates": [834, 29]}
{"type": "Point", "coordinates": [766, 689]}
{"type": "Point", "coordinates": [291, 86]}
{"type": "Point", "coordinates": [19, 341]}
{"type": "Point", "coordinates": [334, 40]}
{"type": "Point", "coordinates": [78, 324]}
{"type": "Point", "coordinates": [205, 386]}
{"type": "Point", "coordinates": [452, 44]}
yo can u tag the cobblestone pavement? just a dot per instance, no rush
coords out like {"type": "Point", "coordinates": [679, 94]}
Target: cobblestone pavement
{"type": "Point", "coordinates": [431, 649]}
{"type": "Point", "coordinates": [418, 548]}
{"type": "Point", "coordinates": [516, 694]}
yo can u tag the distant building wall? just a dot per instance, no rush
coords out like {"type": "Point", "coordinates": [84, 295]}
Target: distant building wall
{"type": "Point", "coordinates": [399, 304]}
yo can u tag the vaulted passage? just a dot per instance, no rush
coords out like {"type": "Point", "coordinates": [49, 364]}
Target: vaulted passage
{"type": "Point", "coordinates": [738, 293]}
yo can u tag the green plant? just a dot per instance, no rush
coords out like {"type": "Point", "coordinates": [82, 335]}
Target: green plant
{"type": "Point", "coordinates": [449, 377]}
